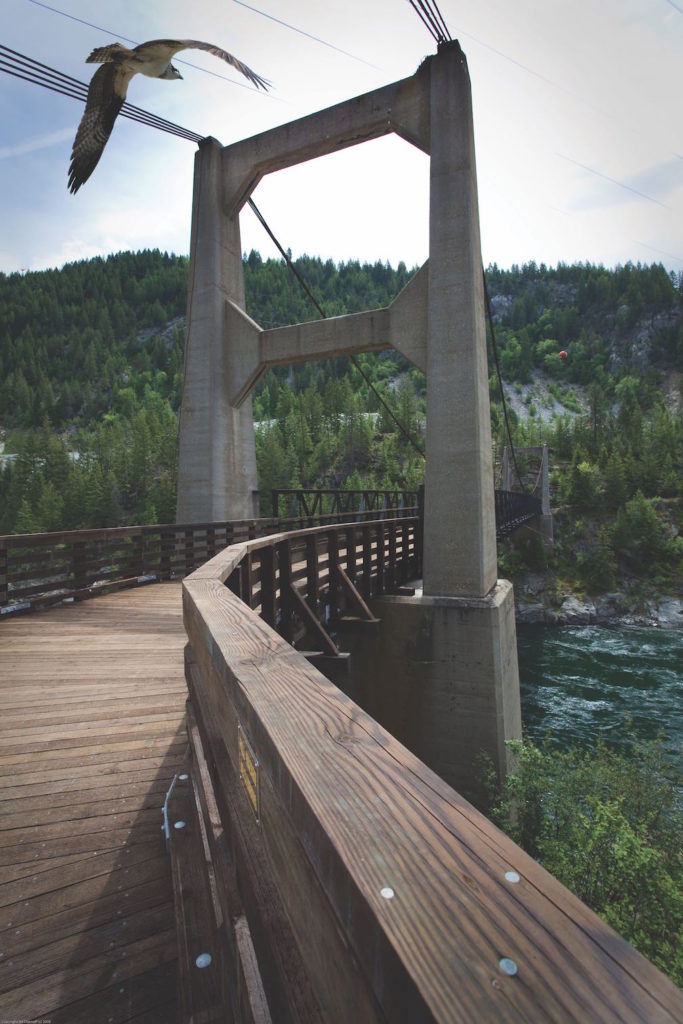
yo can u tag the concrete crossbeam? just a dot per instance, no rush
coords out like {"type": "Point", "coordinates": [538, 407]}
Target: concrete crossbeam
{"type": "Point", "coordinates": [401, 325]}
{"type": "Point", "coordinates": [402, 108]}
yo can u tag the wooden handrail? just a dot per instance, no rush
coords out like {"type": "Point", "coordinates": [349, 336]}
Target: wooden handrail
{"type": "Point", "coordinates": [371, 891]}
{"type": "Point", "coordinates": [43, 568]}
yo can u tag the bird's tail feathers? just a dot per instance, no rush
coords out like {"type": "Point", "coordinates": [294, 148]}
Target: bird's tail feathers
{"type": "Point", "coordinates": [103, 54]}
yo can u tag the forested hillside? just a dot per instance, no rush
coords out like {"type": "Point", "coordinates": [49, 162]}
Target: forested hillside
{"type": "Point", "coordinates": [91, 360]}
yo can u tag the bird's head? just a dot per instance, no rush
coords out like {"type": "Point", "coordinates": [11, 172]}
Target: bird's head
{"type": "Point", "coordinates": [171, 72]}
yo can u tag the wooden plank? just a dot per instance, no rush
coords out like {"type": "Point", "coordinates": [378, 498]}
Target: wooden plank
{"type": "Point", "coordinates": [91, 733]}
{"type": "Point", "coordinates": [148, 998]}
{"type": "Point", "coordinates": [61, 873]}
{"type": "Point", "coordinates": [43, 996]}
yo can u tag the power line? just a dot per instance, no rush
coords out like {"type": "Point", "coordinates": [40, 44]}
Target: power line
{"type": "Point", "coordinates": [308, 35]}
{"type": "Point", "coordinates": [613, 181]}
{"type": "Point", "coordinates": [136, 42]}
{"type": "Point", "coordinates": [20, 66]}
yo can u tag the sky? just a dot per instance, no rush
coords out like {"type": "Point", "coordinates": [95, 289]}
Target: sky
{"type": "Point", "coordinates": [578, 119]}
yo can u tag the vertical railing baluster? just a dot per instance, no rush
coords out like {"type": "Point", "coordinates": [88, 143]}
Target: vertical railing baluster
{"type": "Point", "coordinates": [284, 560]}
{"type": "Point", "coordinates": [268, 602]}
{"type": "Point", "coordinates": [392, 555]}
{"type": "Point", "coordinates": [367, 561]}
{"type": "Point", "coordinates": [333, 577]}
{"type": "Point", "coordinates": [189, 551]}
{"type": "Point", "coordinates": [312, 572]}
{"type": "Point", "coordinates": [4, 575]}
{"type": "Point", "coordinates": [247, 580]}
{"type": "Point", "coordinates": [381, 558]}
{"type": "Point", "coordinates": [79, 565]}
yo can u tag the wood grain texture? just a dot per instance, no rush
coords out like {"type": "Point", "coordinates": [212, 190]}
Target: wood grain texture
{"type": "Point", "coordinates": [92, 699]}
{"type": "Point", "coordinates": [369, 815]}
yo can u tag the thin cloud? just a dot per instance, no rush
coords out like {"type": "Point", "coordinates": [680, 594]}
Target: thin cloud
{"type": "Point", "coordinates": [629, 184]}
{"type": "Point", "coordinates": [35, 143]}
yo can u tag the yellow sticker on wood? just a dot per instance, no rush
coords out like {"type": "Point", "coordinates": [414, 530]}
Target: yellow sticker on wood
{"type": "Point", "coordinates": [249, 771]}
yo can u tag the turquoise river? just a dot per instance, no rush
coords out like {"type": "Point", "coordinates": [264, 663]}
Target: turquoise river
{"type": "Point", "coordinates": [578, 682]}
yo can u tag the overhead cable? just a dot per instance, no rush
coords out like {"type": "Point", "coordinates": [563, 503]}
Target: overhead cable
{"type": "Point", "coordinates": [430, 15]}
{"type": "Point", "coordinates": [110, 32]}
{"type": "Point", "coordinates": [508, 430]}
{"type": "Point", "coordinates": [20, 66]}
{"type": "Point", "coordinates": [301, 32]}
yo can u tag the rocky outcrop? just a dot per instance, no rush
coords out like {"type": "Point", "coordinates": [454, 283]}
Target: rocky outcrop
{"type": "Point", "coordinates": [537, 606]}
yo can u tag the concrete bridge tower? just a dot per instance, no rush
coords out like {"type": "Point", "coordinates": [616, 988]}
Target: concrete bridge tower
{"type": "Point", "coordinates": [442, 676]}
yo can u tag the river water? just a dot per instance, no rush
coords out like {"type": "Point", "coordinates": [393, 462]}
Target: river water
{"type": "Point", "coordinates": [578, 682]}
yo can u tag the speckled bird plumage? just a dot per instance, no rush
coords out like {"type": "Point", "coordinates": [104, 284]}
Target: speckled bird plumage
{"type": "Point", "coordinates": [109, 85]}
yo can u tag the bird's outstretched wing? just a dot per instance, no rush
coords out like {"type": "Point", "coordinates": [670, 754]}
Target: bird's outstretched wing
{"type": "Point", "coordinates": [171, 46]}
{"type": "Point", "coordinates": [106, 94]}
{"type": "Point", "coordinates": [114, 51]}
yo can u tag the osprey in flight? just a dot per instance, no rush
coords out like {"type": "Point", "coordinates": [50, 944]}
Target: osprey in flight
{"type": "Point", "coordinates": [107, 92]}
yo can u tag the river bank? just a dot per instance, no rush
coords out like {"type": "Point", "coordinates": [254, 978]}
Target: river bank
{"type": "Point", "coordinates": [538, 603]}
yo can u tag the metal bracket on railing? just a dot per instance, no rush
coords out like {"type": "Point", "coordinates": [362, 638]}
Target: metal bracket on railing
{"type": "Point", "coordinates": [164, 810]}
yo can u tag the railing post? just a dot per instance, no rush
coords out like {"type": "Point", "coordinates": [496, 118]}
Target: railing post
{"type": "Point", "coordinates": [79, 565]}
{"type": "Point", "coordinates": [312, 572]}
{"type": "Point", "coordinates": [4, 574]}
{"type": "Point", "coordinates": [284, 561]}
{"type": "Point", "coordinates": [419, 539]}
{"type": "Point", "coordinates": [210, 542]}
{"type": "Point", "coordinates": [350, 535]}
{"type": "Point", "coordinates": [268, 602]}
{"type": "Point", "coordinates": [189, 551]}
{"type": "Point", "coordinates": [166, 540]}
{"type": "Point", "coordinates": [405, 558]}
{"type": "Point", "coordinates": [138, 554]}
{"type": "Point", "coordinates": [392, 556]}
{"type": "Point", "coordinates": [381, 559]}
{"type": "Point", "coordinates": [367, 561]}
{"type": "Point", "coordinates": [246, 580]}
{"type": "Point", "coordinates": [333, 574]}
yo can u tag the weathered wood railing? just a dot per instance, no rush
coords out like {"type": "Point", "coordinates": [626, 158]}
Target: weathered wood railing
{"type": "Point", "coordinates": [342, 880]}
{"type": "Point", "coordinates": [40, 568]}
{"type": "Point", "coordinates": [316, 581]}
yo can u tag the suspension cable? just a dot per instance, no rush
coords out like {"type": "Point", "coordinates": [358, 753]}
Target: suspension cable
{"type": "Point", "coordinates": [323, 315]}
{"type": "Point", "coordinates": [499, 375]}
{"type": "Point", "coordinates": [431, 17]}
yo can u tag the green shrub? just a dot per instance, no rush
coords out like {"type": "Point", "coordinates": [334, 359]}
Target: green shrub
{"type": "Point", "coordinates": [608, 826]}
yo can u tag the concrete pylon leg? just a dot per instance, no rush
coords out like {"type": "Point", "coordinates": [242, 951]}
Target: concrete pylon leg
{"type": "Point", "coordinates": [443, 673]}
{"type": "Point", "coordinates": [460, 525]}
{"type": "Point", "coordinates": [217, 459]}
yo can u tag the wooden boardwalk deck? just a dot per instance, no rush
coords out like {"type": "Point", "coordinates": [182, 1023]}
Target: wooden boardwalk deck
{"type": "Point", "coordinates": [92, 700]}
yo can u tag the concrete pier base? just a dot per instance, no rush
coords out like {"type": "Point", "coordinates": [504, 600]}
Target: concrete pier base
{"type": "Point", "coordinates": [442, 677]}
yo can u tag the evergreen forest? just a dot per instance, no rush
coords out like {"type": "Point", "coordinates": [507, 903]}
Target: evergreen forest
{"type": "Point", "coordinates": [91, 364]}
